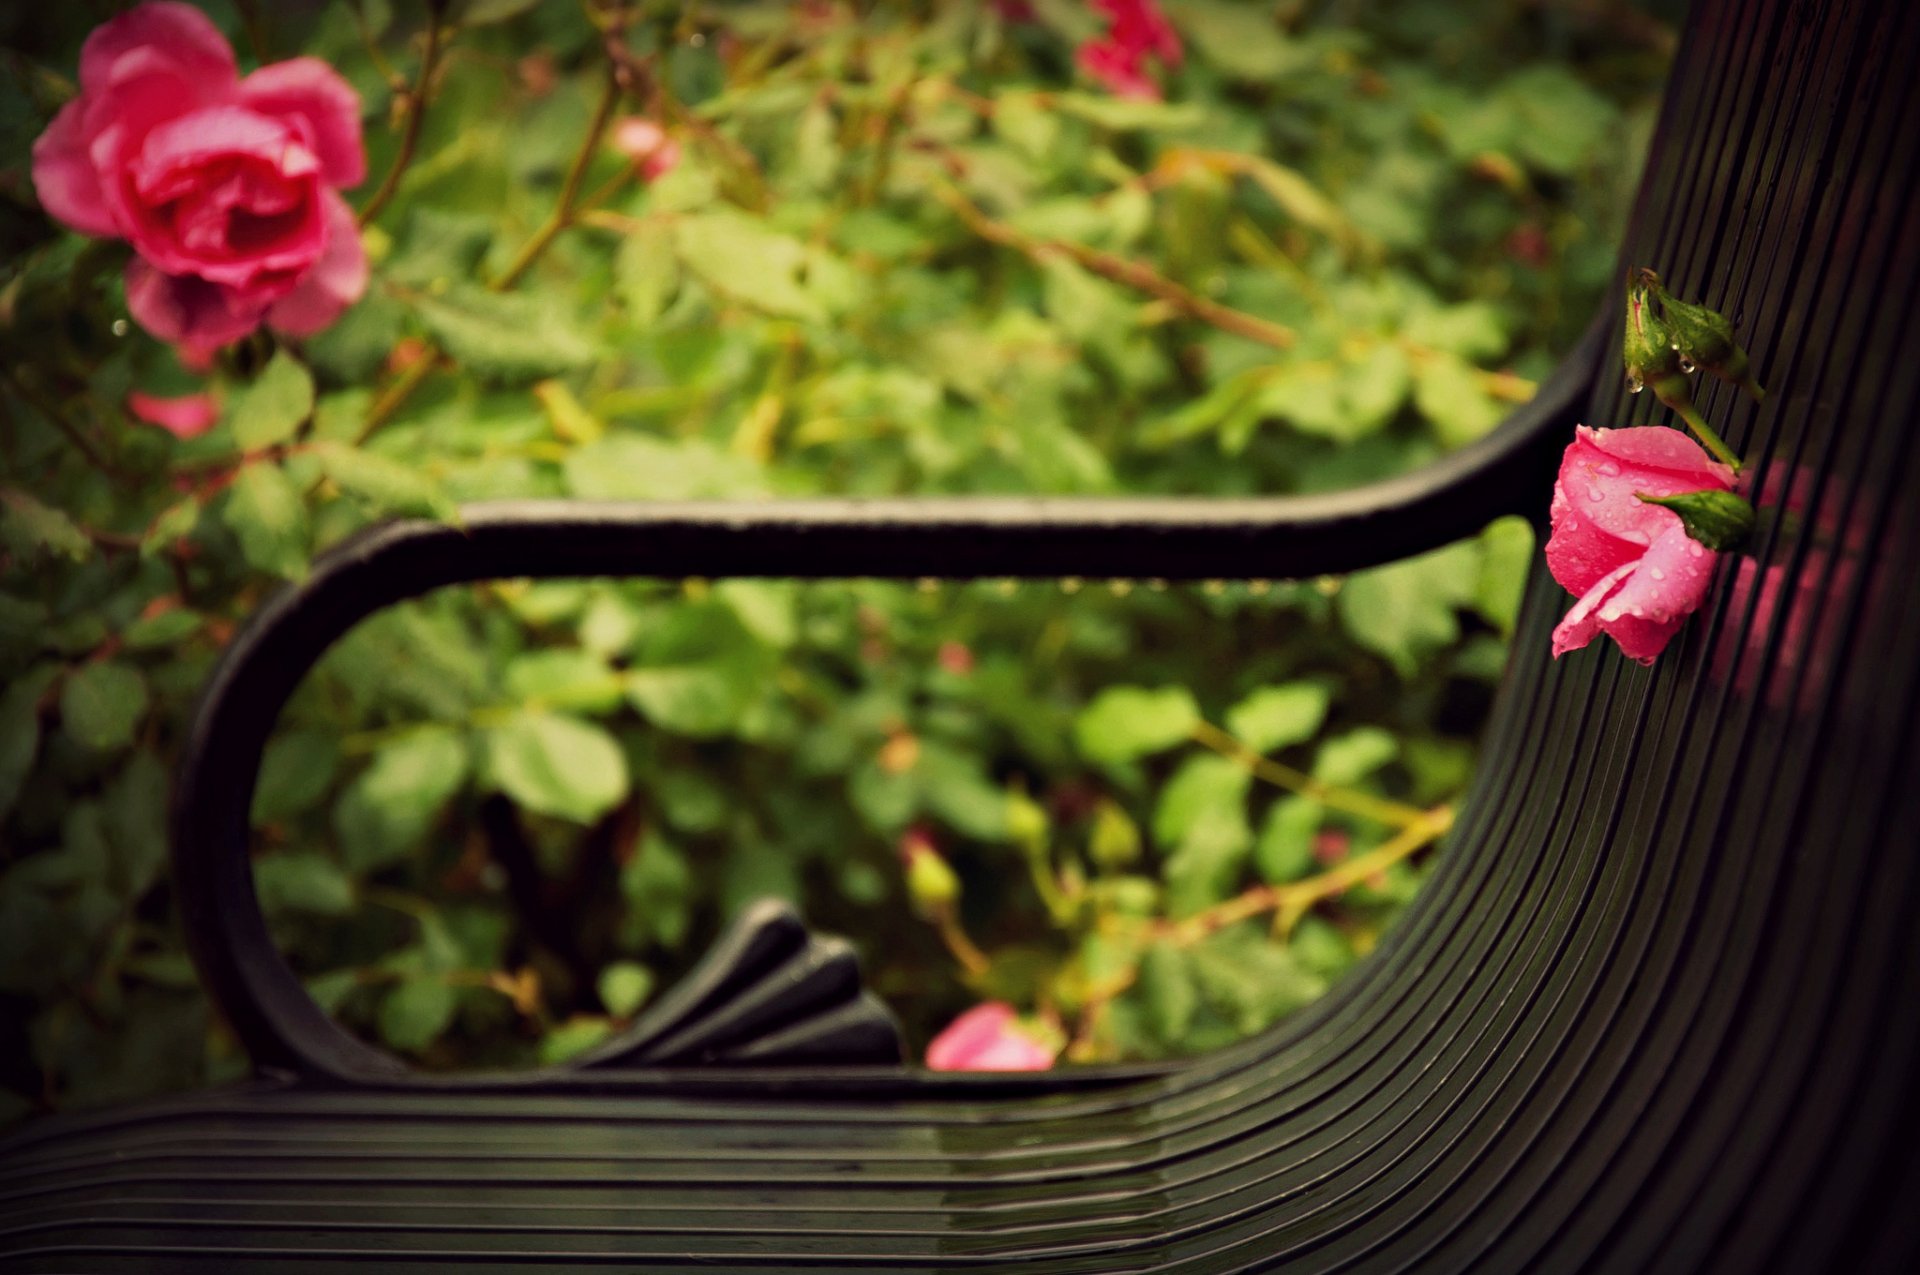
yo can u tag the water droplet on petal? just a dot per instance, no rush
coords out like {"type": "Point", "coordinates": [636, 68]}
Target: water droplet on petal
{"type": "Point", "coordinates": [1694, 549]}
{"type": "Point", "coordinates": [1595, 494]}
{"type": "Point", "coordinates": [1657, 574]}
{"type": "Point", "coordinates": [1608, 468]}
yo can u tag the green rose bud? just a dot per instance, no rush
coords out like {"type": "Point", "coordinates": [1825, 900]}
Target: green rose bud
{"type": "Point", "coordinates": [1704, 338]}
{"type": "Point", "coordinates": [1717, 519]}
{"type": "Point", "coordinates": [931, 883]}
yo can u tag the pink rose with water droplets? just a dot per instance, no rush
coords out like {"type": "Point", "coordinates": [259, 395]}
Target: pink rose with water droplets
{"type": "Point", "coordinates": [1637, 573]}
{"type": "Point", "coordinates": [988, 1038]}
{"type": "Point", "coordinates": [227, 188]}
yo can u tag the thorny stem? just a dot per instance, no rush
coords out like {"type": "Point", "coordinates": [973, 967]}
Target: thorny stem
{"type": "Point", "coordinates": [1132, 274]}
{"type": "Point", "coordinates": [1399, 814]}
{"type": "Point", "coordinates": [416, 102]}
{"type": "Point", "coordinates": [563, 212]}
{"type": "Point", "coordinates": [402, 388]}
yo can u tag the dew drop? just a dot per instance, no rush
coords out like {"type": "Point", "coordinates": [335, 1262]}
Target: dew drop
{"type": "Point", "coordinates": [1687, 365]}
{"type": "Point", "coordinates": [1694, 549]}
{"type": "Point", "coordinates": [1657, 573]}
{"type": "Point", "coordinates": [1634, 383]}
{"type": "Point", "coordinates": [1595, 494]}
{"type": "Point", "coordinates": [1608, 468]}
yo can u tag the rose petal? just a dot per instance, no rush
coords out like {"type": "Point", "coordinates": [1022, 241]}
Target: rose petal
{"type": "Point", "coordinates": [1582, 624]}
{"type": "Point", "coordinates": [986, 1038]}
{"type": "Point", "coordinates": [334, 282]}
{"type": "Point", "coordinates": [180, 31]}
{"type": "Point", "coordinates": [1669, 582]}
{"type": "Point", "coordinates": [188, 416]}
{"type": "Point", "coordinates": [326, 107]}
{"type": "Point", "coordinates": [187, 310]}
{"type": "Point", "coordinates": [1657, 447]}
{"type": "Point", "coordinates": [64, 176]}
{"type": "Point", "coordinates": [176, 163]}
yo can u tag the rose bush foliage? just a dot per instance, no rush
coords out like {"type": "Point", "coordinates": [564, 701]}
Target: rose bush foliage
{"type": "Point", "coordinates": [910, 249]}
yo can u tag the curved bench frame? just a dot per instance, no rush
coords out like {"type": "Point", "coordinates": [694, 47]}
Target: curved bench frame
{"type": "Point", "coordinates": [1507, 472]}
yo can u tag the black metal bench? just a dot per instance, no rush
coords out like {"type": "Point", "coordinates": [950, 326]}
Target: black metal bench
{"type": "Point", "coordinates": [1655, 1010]}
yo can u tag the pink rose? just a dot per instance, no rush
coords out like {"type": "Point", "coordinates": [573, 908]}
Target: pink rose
{"type": "Point", "coordinates": [1637, 573]}
{"type": "Point", "coordinates": [227, 188]}
{"type": "Point", "coordinates": [1136, 31]}
{"type": "Point", "coordinates": [653, 153]}
{"type": "Point", "coordinates": [187, 416]}
{"type": "Point", "coordinates": [986, 1038]}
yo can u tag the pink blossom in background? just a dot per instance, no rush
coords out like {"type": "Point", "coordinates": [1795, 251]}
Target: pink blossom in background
{"type": "Point", "coordinates": [987, 1038]}
{"type": "Point", "coordinates": [1636, 572]}
{"type": "Point", "coordinates": [1136, 32]}
{"type": "Point", "coordinates": [188, 416]}
{"type": "Point", "coordinates": [653, 153]}
{"type": "Point", "coordinates": [227, 188]}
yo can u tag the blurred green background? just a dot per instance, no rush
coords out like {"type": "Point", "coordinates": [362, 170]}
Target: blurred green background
{"type": "Point", "coordinates": [906, 248]}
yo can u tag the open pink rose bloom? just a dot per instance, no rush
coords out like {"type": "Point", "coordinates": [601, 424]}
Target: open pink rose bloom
{"type": "Point", "coordinates": [227, 188]}
{"type": "Point", "coordinates": [1637, 573]}
{"type": "Point", "coordinates": [987, 1038]}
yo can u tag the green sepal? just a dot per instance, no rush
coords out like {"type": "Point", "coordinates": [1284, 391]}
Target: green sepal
{"type": "Point", "coordinates": [1704, 337]}
{"type": "Point", "coordinates": [1717, 519]}
{"type": "Point", "coordinates": [1647, 348]}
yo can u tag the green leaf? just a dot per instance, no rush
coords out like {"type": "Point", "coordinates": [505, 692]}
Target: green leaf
{"type": "Point", "coordinates": [565, 678]}
{"type": "Point", "coordinates": [302, 881]}
{"type": "Point", "coordinates": [747, 261]}
{"type": "Point", "coordinates": [1276, 717]}
{"type": "Point", "coordinates": [270, 409]}
{"type": "Point", "coordinates": [558, 765]}
{"type": "Point", "coordinates": [1470, 330]}
{"type": "Point", "coordinates": [1242, 40]}
{"type": "Point", "coordinates": [479, 13]}
{"type": "Point", "coordinates": [1124, 723]}
{"type": "Point", "coordinates": [386, 485]}
{"type": "Point", "coordinates": [135, 810]}
{"type": "Point", "coordinates": [20, 730]}
{"type": "Point", "coordinates": [296, 770]}
{"type": "Point", "coordinates": [955, 786]}
{"type": "Point", "coordinates": [1564, 121]}
{"type": "Point", "coordinates": [573, 1038]}
{"type": "Point", "coordinates": [1448, 392]}
{"type": "Point", "coordinates": [1405, 611]}
{"type": "Point", "coordinates": [624, 987]}
{"type": "Point", "coordinates": [1508, 553]}
{"type": "Point", "coordinates": [389, 806]}
{"type": "Point", "coordinates": [1284, 851]}
{"type": "Point", "coordinates": [1349, 758]}
{"type": "Point", "coordinates": [699, 672]}
{"type": "Point", "coordinates": [646, 270]}
{"type": "Point", "coordinates": [1249, 980]}
{"type": "Point", "coordinates": [1167, 992]}
{"type": "Point", "coordinates": [102, 703]}
{"type": "Point", "coordinates": [657, 884]}
{"type": "Point", "coordinates": [415, 1014]}
{"type": "Point", "coordinates": [1124, 114]}
{"type": "Point", "coordinates": [501, 337]}
{"type": "Point", "coordinates": [269, 518]}
{"type": "Point", "coordinates": [1201, 815]}
{"type": "Point", "coordinates": [28, 527]}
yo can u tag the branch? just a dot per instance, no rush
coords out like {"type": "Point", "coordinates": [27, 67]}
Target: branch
{"type": "Point", "coordinates": [563, 212]}
{"type": "Point", "coordinates": [1366, 805]}
{"type": "Point", "coordinates": [416, 102]}
{"type": "Point", "coordinates": [1122, 270]}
